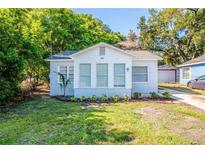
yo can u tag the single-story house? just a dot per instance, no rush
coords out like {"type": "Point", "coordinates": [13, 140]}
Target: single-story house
{"type": "Point", "coordinates": [167, 74]}
{"type": "Point", "coordinates": [104, 69]}
{"type": "Point", "coordinates": [192, 69]}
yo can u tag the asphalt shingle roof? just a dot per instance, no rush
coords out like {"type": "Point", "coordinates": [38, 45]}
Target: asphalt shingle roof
{"type": "Point", "coordinates": [63, 55]}
{"type": "Point", "coordinates": [200, 59]}
{"type": "Point", "coordinates": [166, 67]}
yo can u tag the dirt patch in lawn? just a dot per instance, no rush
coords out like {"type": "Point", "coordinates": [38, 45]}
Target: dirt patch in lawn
{"type": "Point", "coordinates": [192, 128]}
{"type": "Point", "coordinates": [187, 126]}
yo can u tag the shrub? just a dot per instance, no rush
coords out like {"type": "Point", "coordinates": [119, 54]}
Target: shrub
{"type": "Point", "coordinates": [73, 99]}
{"type": "Point", "coordinates": [136, 95]}
{"type": "Point", "coordinates": [116, 98]}
{"type": "Point", "coordinates": [167, 95]}
{"type": "Point", "coordinates": [93, 98]}
{"type": "Point", "coordinates": [126, 97]}
{"type": "Point", "coordinates": [105, 98]}
{"type": "Point", "coordinates": [82, 98]}
{"type": "Point", "coordinates": [154, 95]}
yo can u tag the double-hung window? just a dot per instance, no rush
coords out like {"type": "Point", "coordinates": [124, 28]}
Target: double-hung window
{"type": "Point", "coordinates": [102, 75]}
{"type": "Point", "coordinates": [139, 74]}
{"type": "Point", "coordinates": [62, 70]}
{"type": "Point", "coordinates": [186, 73]}
{"type": "Point", "coordinates": [119, 75]}
{"type": "Point", "coordinates": [85, 75]}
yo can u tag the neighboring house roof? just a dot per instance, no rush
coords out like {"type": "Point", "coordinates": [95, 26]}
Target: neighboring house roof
{"type": "Point", "coordinates": [166, 67]}
{"type": "Point", "coordinates": [198, 60]}
{"type": "Point", "coordinates": [136, 54]}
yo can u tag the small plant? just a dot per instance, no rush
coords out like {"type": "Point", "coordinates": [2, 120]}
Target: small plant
{"type": "Point", "coordinates": [73, 99]}
{"type": "Point", "coordinates": [154, 95]}
{"type": "Point", "coordinates": [137, 95]}
{"type": "Point", "coordinates": [126, 97]}
{"type": "Point", "coordinates": [105, 98]}
{"type": "Point", "coordinates": [116, 98]}
{"type": "Point", "coordinates": [167, 95]}
{"type": "Point", "coordinates": [82, 98]}
{"type": "Point", "coordinates": [93, 98]}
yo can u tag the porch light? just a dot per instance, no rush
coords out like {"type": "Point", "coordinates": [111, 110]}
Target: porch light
{"type": "Point", "coordinates": [128, 69]}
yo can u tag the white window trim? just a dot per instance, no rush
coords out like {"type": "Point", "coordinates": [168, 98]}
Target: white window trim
{"type": "Point", "coordinates": [58, 70]}
{"type": "Point", "coordinates": [114, 75]}
{"type": "Point", "coordinates": [90, 76]}
{"type": "Point", "coordinates": [147, 74]}
{"type": "Point", "coordinates": [189, 73]}
{"type": "Point", "coordinates": [107, 76]}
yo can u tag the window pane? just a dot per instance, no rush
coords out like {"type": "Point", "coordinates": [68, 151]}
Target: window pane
{"type": "Point", "coordinates": [85, 75]}
{"type": "Point", "coordinates": [102, 81]}
{"type": "Point", "coordinates": [85, 69]}
{"type": "Point", "coordinates": [140, 69]}
{"type": "Point", "coordinates": [119, 75]}
{"type": "Point", "coordinates": [62, 70]}
{"type": "Point", "coordinates": [139, 74]}
{"type": "Point", "coordinates": [84, 81]}
{"type": "Point", "coordinates": [102, 75]}
{"type": "Point", "coordinates": [102, 69]}
{"type": "Point", "coordinates": [102, 51]}
{"type": "Point", "coordinates": [186, 73]}
{"type": "Point", "coordinates": [119, 81]}
{"type": "Point", "coordinates": [119, 68]}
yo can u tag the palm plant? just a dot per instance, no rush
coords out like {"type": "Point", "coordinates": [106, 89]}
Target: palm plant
{"type": "Point", "coordinates": [64, 82]}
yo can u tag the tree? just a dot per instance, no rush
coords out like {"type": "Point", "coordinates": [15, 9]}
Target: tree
{"type": "Point", "coordinates": [29, 36]}
{"type": "Point", "coordinates": [132, 36]}
{"type": "Point", "coordinates": [178, 32]}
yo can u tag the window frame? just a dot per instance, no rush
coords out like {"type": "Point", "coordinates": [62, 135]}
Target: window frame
{"type": "Point", "coordinates": [147, 74]}
{"type": "Point", "coordinates": [188, 72]}
{"type": "Point", "coordinates": [67, 72]}
{"type": "Point", "coordinates": [101, 75]}
{"type": "Point", "coordinates": [114, 75]}
{"type": "Point", "coordinates": [89, 75]}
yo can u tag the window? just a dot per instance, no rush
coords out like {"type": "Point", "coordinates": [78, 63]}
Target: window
{"type": "Point", "coordinates": [85, 75]}
{"type": "Point", "coordinates": [202, 77]}
{"type": "Point", "coordinates": [102, 51]}
{"type": "Point", "coordinates": [71, 73]}
{"type": "Point", "coordinates": [186, 73]}
{"type": "Point", "coordinates": [102, 75]}
{"type": "Point", "coordinates": [139, 74]}
{"type": "Point", "coordinates": [62, 70]}
{"type": "Point", "coordinates": [119, 75]}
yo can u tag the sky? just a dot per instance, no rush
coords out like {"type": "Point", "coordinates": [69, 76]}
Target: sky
{"type": "Point", "coordinates": [119, 20]}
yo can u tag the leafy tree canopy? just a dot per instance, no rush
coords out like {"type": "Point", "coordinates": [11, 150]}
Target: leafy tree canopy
{"type": "Point", "coordinates": [180, 33]}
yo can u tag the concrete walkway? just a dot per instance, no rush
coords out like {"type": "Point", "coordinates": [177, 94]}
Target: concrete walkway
{"type": "Point", "coordinates": [191, 99]}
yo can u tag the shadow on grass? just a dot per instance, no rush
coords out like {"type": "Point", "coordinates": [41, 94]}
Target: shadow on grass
{"type": "Point", "coordinates": [47, 122]}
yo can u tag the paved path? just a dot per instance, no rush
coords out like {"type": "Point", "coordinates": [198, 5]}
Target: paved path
{"type": "Point", "coordinates": [191, 99]}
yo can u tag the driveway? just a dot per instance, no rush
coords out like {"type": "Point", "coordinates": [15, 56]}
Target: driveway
{"type": "Point", "coordinates": [191, 99]}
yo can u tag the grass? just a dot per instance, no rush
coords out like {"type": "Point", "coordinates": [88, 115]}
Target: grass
{"type": "Point", "coordinates": [182, 88]}
{"type": "Point", "coordinates": [48, 121]}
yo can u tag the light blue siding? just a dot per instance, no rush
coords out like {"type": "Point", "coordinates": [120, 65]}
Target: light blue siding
{"type": "Point", "coordinates": [196, 71]}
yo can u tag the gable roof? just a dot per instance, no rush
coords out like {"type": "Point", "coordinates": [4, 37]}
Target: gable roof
{"type": "Point", "coordinates": [166, 67]}
{"type": "Point", "coordinates": [198, 60]}
{"type": "Point", "coordinates": [99, 45]}
{"type": "Point", "coordinates": [138, 55]}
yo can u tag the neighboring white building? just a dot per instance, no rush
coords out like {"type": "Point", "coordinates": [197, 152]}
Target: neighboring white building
{"type": "Point", "coordinates": [167, 74]}
{"type": "Point", "coordinates": [104, 69]}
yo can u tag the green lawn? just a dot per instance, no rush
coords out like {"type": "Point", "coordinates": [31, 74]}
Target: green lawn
{"type": "Point", "coordinates": [182, 88]}
{"type": "Point", "coordinates": [48, 121]}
